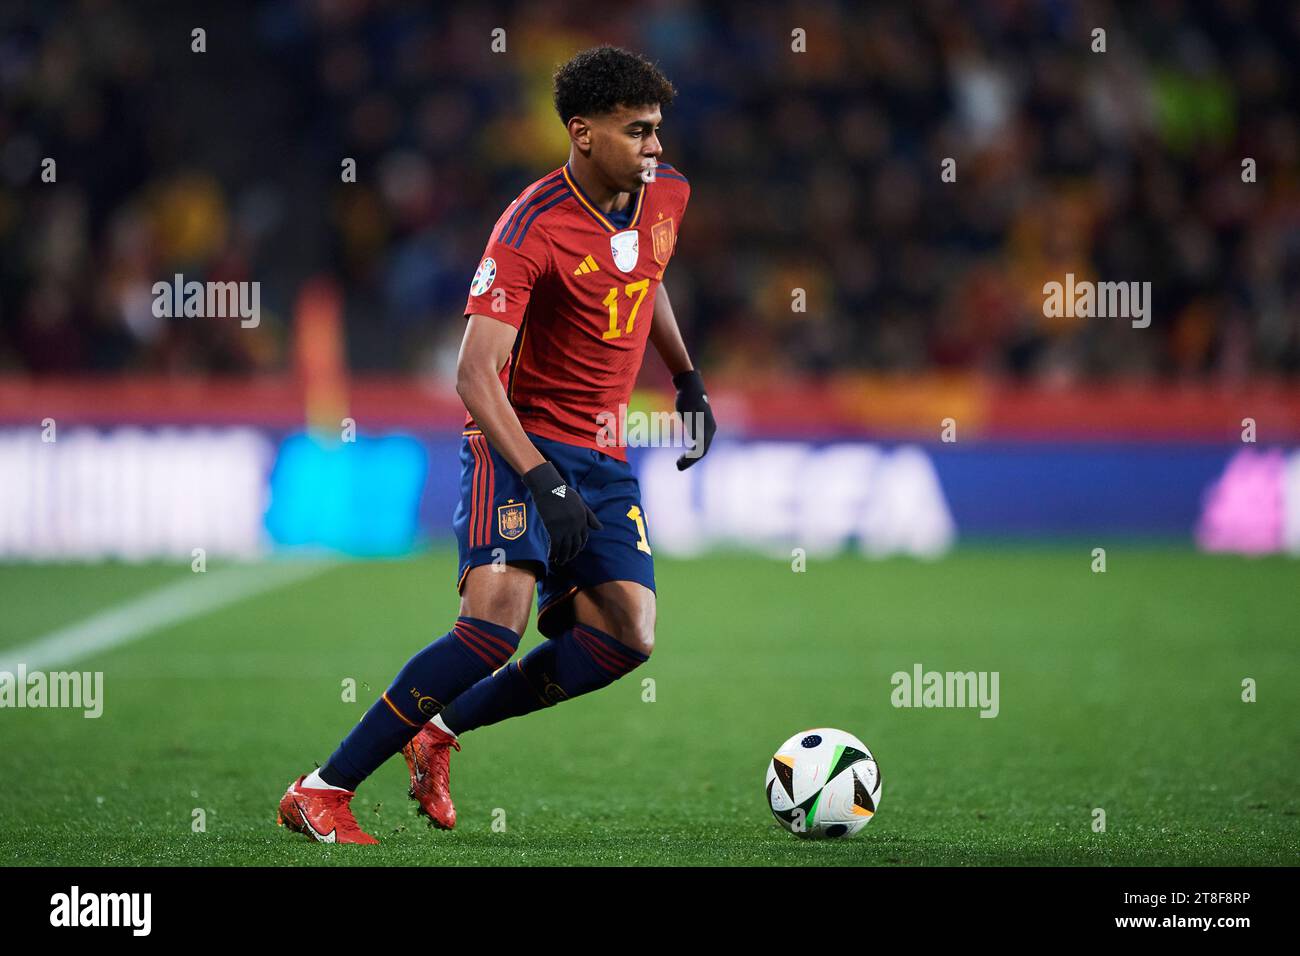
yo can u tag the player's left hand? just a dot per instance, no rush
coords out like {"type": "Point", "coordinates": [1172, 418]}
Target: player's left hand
{"type": "Point", "coordinates": [697, 416]}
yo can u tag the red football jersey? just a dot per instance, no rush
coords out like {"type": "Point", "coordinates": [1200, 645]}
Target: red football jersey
{"type": "Point", "coordinates": [581, 291]}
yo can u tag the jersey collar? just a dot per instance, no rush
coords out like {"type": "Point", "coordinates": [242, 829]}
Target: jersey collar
{"type": "Point", "coordinates": [585, 202]}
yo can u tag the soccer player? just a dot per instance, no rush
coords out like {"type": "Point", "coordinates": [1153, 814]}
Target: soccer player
{"type": "Point", "coordinates": [565, 299]}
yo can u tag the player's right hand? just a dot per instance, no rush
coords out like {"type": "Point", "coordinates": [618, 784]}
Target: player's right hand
{"type": "Point", "coordinates": [565, 515]}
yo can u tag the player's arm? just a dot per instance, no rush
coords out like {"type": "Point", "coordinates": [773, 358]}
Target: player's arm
{"type": "Point", "coordinates": [484, 351]}
{"type": "Point", "coordinates": [692, 400]}
{"type": "Point", "coordinates": [667, 337]}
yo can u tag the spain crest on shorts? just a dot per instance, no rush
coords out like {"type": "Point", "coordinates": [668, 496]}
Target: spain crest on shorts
{"type": "Point", "coordinates": [661, 240]}
{"type": "Point", "coordinates": [512, 520]}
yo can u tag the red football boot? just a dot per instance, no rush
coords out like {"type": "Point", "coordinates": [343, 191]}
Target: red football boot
{"type": "Point", "coordinates": [428, 756]}
{"type": "Point", "coordinates": [322, 815]}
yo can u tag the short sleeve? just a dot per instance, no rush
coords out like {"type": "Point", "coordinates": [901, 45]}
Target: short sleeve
{"type": "Point", "coordinates": [504, 280]}
{"type": "Point", "coordinates": [681, 216]}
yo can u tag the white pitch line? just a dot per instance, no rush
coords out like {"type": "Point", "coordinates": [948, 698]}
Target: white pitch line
{"type": "Point", "coordinates": [155, 610]}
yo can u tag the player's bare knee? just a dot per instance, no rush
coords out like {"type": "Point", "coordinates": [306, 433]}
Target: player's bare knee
{"type": "Point", "coordinates": [497, 614]}
{"type": "Point", "coordinates": [634, 626]}
{"type": "Point", "coordinates": [642, 639]}
{"type": "Point", "coordinates": [623, 610]}
{"type": "Point", "coordinates": [634, 634]}
{"type": "Point", "coordinates": [499, 594]}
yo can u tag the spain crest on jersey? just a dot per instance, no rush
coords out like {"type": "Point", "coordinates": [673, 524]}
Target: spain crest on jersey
{"type": "Point", "coordinates": [661, 240]}
{"type": "Point", "coordinates": [626, 247]}
{"type": "Point", "coordinates": [512, 520]}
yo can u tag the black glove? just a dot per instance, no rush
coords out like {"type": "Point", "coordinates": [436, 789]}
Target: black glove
{"type": "Point", "coordinates": [693, 405]}
{"type": "Point", "coordinates": [564, 514]}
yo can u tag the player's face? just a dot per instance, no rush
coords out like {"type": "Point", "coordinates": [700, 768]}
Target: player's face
{"type": "Point", "coordinates": [623, 142]}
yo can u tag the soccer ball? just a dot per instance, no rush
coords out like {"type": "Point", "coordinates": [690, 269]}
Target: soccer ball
{"type": "Point", "coordinates": [823, 783]}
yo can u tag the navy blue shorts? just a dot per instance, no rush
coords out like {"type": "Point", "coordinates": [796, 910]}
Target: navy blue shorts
{"type": "Point", "coordinates": [497, 520]}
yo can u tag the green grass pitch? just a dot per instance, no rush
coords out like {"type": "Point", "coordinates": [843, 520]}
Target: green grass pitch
{"type": "Point", "coordinates": [1120, 691]}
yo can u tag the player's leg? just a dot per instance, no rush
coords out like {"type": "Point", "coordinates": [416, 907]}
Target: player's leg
{"type": "Point", "coordinates": [501, 555]}
{"type": "Point", "coordinates": [612, 633]}
{"type": "Point", "coordinates": [599, 611]}
{"type": "Point", "coordinates": [483, 638]}
{"type": "Point", "coordinates": [501, 593]}
{"type": "Point", "coordinates": [478, 643]}
{"type": "Point", "coordinates": [623, 610]}
{"type": "Point", "coordinates": [498, 593]}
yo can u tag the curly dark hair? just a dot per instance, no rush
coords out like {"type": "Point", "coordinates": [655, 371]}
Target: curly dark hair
{"type": "Point", "coordinates": [602, 79]}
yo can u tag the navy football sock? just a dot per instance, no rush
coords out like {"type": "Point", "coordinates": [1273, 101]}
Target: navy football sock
{"type": "Point", "coordinates": [580, 660]}
{"type": "Point", "coordinates": [454, 662]}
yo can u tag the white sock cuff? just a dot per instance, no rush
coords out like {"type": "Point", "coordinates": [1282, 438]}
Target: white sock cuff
{"type": "Point", "coordinates": [314, 782]}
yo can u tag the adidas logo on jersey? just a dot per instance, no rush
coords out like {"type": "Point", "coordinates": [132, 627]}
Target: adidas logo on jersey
{"type": "Point", "coordinates": [585, 266]}
{"type": "Point", "coordinates": [559, 490]}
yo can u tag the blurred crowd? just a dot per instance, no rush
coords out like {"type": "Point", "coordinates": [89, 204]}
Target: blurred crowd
{"type": "Point", "coordinates": [817, 170]}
